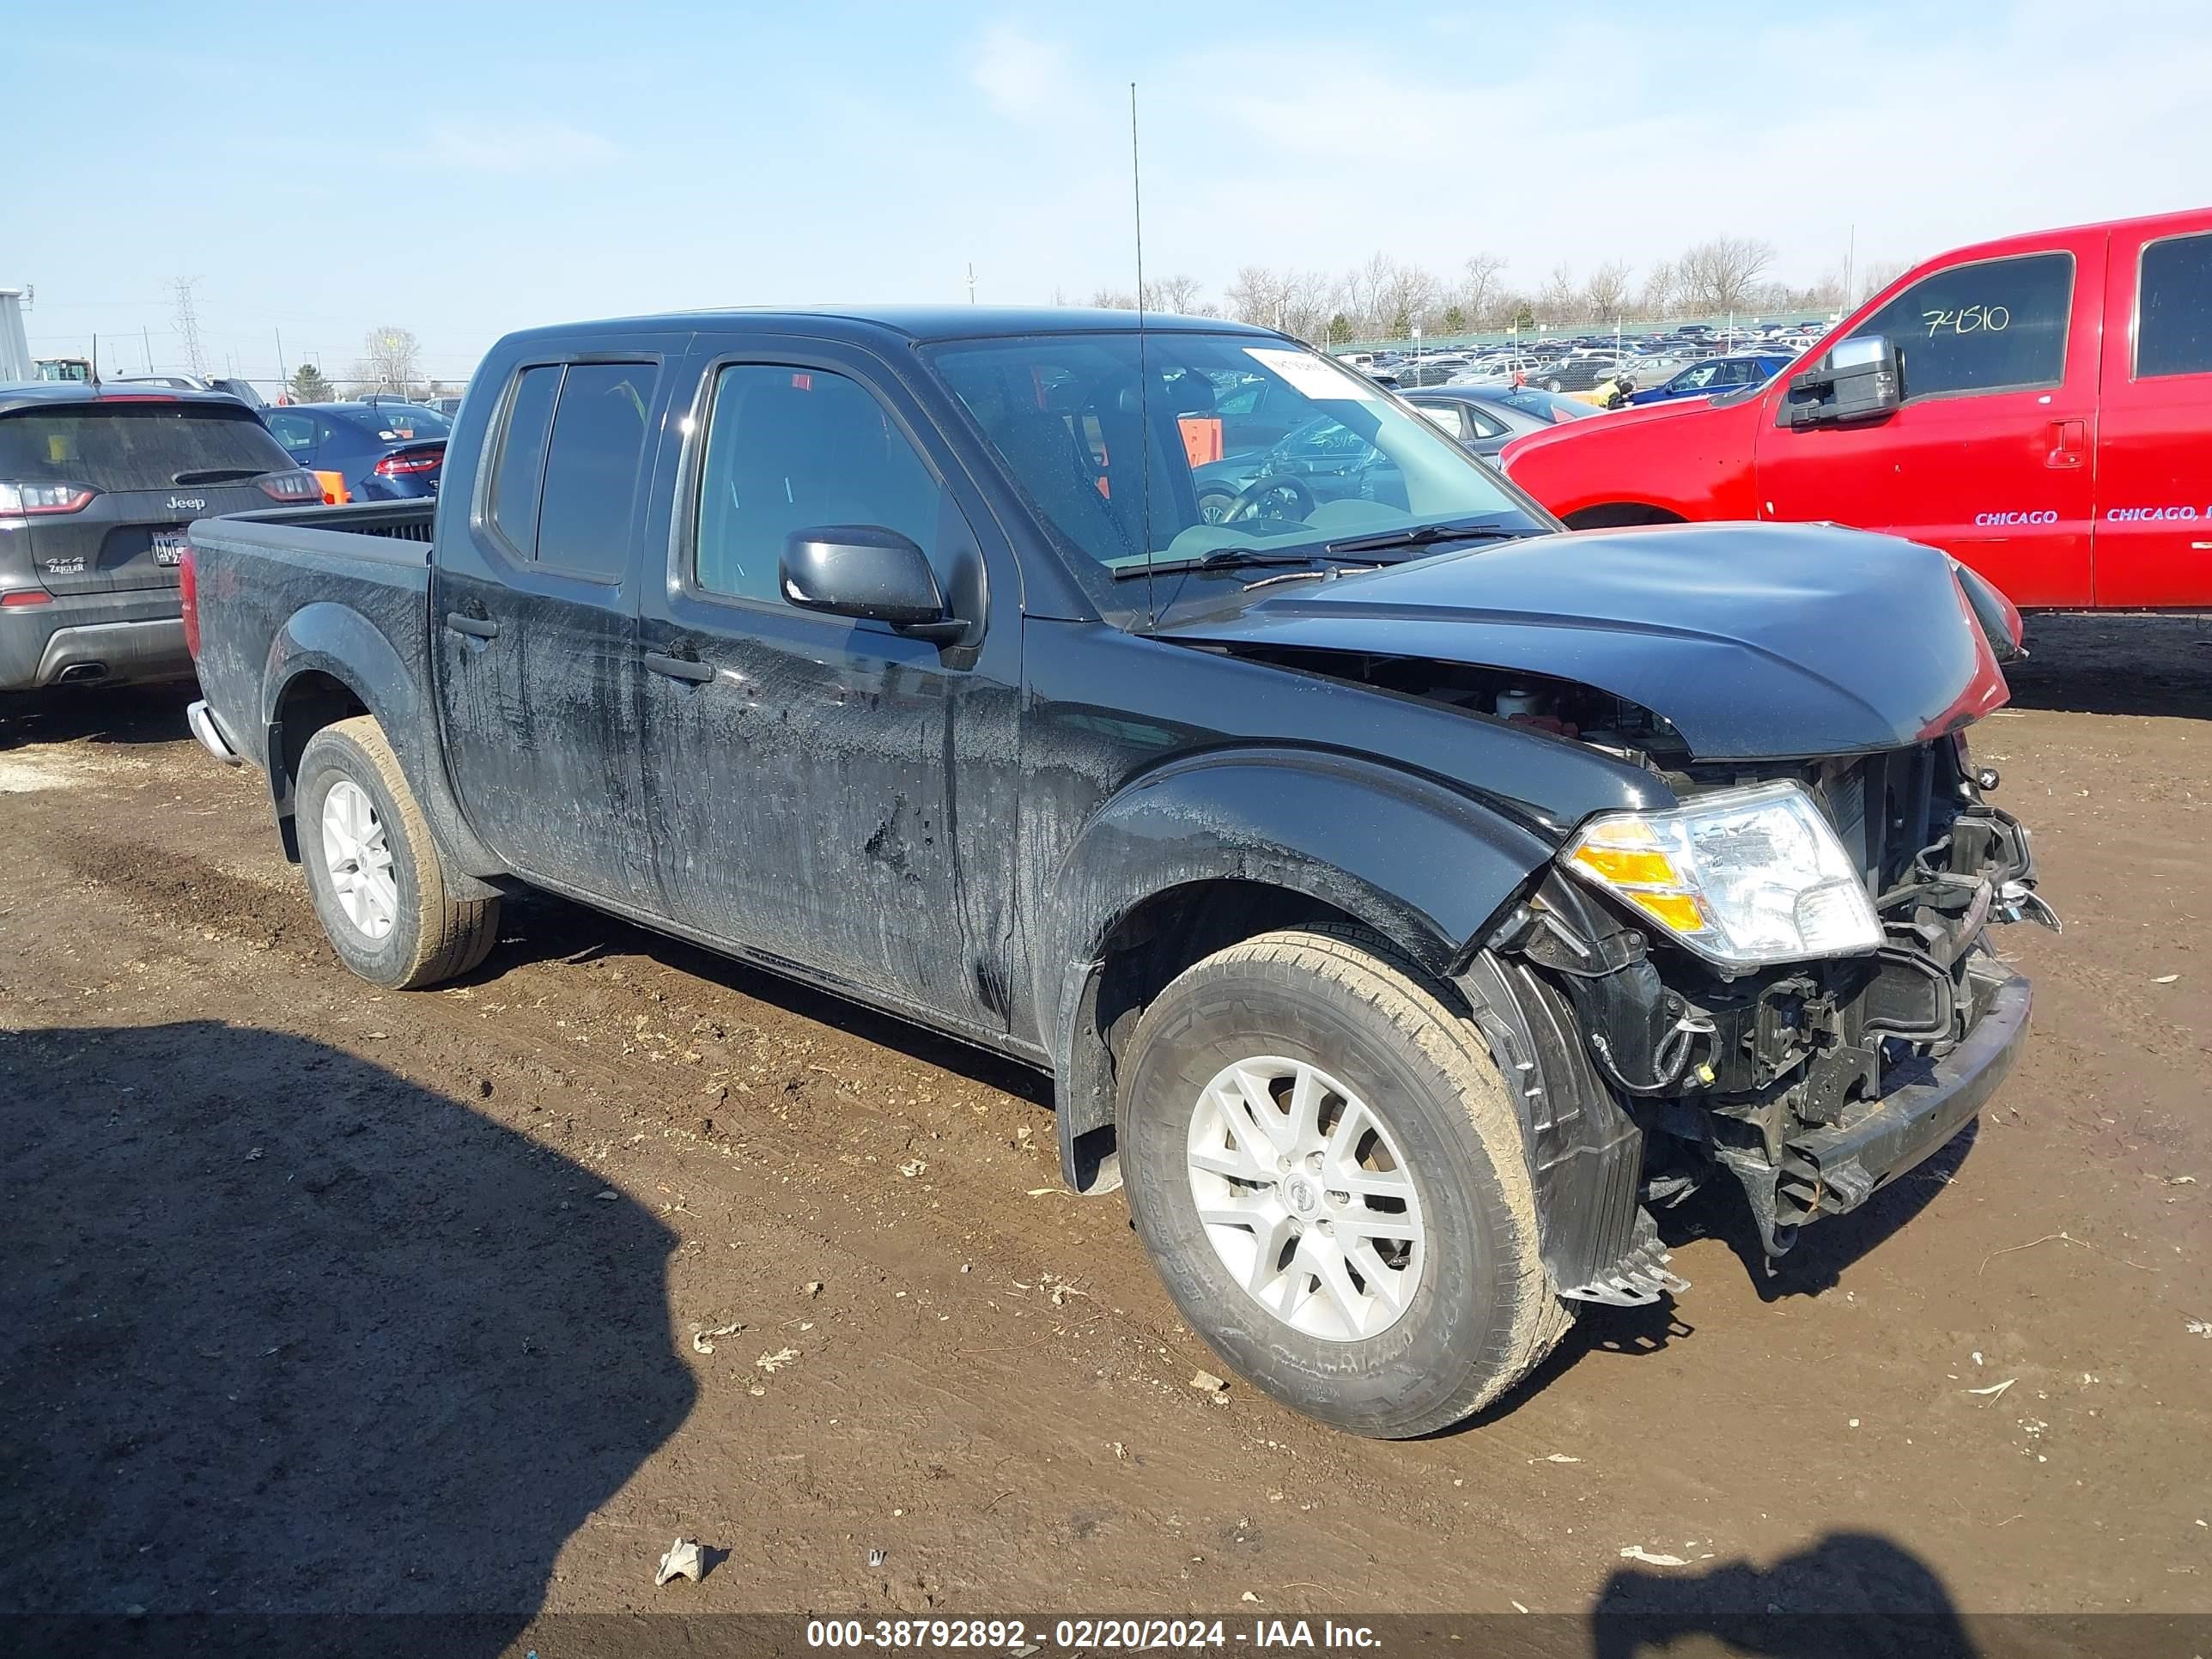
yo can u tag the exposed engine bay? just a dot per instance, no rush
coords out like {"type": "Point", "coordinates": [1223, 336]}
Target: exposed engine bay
{"type": "Point", "coordinates": [1561, 707]}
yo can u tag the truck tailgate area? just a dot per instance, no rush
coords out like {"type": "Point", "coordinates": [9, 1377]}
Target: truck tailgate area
{"type": "Point", "coordinates": [303, 572]}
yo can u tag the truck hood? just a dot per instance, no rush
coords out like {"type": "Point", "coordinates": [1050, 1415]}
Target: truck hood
{"type": "Point", "coordinates": [1633, 415]}
{"type": "Point", "coordinates": [1755, 640]}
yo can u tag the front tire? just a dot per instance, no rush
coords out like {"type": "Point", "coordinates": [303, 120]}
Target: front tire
{"type": "Point", "coordinates": [1329, 1175]}
{"type": "Point", "coordinates": [372, 868]}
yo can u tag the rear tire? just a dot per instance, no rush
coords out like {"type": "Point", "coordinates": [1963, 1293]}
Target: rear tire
{"type": "Point", "coordinates": [373, 866]}
{"type": "Point", "coordinates": [1453, 1308]}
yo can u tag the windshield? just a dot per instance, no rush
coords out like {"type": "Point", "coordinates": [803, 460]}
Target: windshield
{"type": "Point", "coordinates": [1319, 454]}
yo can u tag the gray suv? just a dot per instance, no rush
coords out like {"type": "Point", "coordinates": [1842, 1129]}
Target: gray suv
{"type": "Point", "coordinates": [97, 484]}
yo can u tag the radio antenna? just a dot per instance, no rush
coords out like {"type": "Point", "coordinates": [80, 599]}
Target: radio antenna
{"type": "Point", "coordinates": [1143, 374]}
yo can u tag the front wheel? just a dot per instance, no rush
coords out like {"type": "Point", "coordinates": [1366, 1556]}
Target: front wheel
{"type": "Point", "coordinates": [1329, 1176]}
{"type": "Point", "coordinates": [372, 868]}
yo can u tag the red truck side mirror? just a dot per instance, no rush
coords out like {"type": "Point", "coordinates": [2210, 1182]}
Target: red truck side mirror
{"type": "Point", "coordinates": [1859, 378]}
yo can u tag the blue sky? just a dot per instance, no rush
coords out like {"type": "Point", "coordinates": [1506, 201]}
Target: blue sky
{"type": "Point", "coordinates": [463, 169]}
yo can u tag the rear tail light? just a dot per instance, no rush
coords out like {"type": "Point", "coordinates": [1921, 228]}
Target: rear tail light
{"type": "Point", "coordinates": [188, 599]}
{"type": "Point", "coordinates": [25, 596]}
{"type": "Point", "coordinates": [295, 486]}
{"type": "Point", "coordinates": [34, 499]}
{"type": "Point", "coordinates": [408, 466]}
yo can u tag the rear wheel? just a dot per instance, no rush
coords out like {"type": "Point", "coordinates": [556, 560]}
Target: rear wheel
{"type": "Point", "coordinates": [1329, 1176]}
{"type": "Point", "coordinates": [373, 868]}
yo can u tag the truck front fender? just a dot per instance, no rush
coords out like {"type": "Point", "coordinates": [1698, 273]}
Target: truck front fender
{"type": "Point", "coordinates": [325, 643]}
{"type": "Point", "coordinates": [1426, 866]}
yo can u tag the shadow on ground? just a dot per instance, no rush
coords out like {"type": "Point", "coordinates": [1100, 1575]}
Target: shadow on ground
{"type": "Point", "coordinates": [1850, 1594]}
{"type": "Point", "coordinates": [123, 715]}
{"type": "Point", "coordinates": [1824, 1252]}
{"type": "Point", "coordinates": [282, 1333]}
{"type": "Point", "coordinates": [2115, 663]}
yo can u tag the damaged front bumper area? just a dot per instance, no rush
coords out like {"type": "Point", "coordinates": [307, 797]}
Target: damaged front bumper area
{"type": "Point", "coordinates": [1834, 1168]}
{"type": "Point", "coordinates": [1812, 1084]}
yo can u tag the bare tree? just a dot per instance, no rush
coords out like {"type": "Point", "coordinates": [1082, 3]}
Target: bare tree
{"type": "Point", "coordinates": [1479, 285]}
{"type": "Point", "coordinates": [1662, 289]}
{"type": "Point", "coordinates": [1310, 302]}
{"type": "Point", "coordinates": [1877, 276]}
{"type": "Point", "coordinates": [391, 360]}
{"type": "Point", "coordinates": [1181, 296]}
{"type": "Point", "coordinates": [1561, 300]}
{"type": "Point", "coordinates": [1605, 297]}
{"type": "Point", "coordinates": [1171, 293]}
{"type": "Point", "coordinates": [1258, 296]}
{"type": "Point", "coordinates": [1364, 288]}
{"type": "Point", "coordinates": [1723, 274]}
{"type": "Point", "coordinates": [1398, 296]}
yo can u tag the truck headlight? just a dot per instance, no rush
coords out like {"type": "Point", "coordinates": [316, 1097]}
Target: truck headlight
{"type": "Point", "coordinates": [1741, 875]}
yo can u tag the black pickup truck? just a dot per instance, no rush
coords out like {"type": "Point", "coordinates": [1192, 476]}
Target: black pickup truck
{"type": "Point", "coordinates": [1406, 897]}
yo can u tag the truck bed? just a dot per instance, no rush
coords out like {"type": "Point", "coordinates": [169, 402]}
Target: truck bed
{"type": "Point", "coordinates": [295, 571]}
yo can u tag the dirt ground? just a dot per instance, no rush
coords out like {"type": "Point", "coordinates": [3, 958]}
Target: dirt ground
{"type": "Point", "coordinates": [318, 1300]}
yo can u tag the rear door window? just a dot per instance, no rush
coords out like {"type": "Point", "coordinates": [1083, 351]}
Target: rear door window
{"type": "Point", "coordinates": [2173, 324]}
{"type": "Point", "coordinates": [592, 463]}
{"type": "Point", "coordinates": [121, 445]}
{"type": "Point", "coordinates": [1994, 325]}
{"type": "Point", "coordinates": [521, 467]}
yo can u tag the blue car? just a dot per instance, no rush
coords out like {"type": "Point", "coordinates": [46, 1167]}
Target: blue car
{"type": "Point", "coordinates": [385, 450]}
{"type": "Point", "coordinates": [1717, 375]}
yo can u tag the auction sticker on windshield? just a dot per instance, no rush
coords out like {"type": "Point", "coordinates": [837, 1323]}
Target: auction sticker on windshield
{"type": "Point", "coordinates": [1311, 376]}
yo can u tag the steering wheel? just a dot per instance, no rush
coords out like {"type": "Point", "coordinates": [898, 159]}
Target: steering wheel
{"type": "Point", "coordinates": [1246, 503]}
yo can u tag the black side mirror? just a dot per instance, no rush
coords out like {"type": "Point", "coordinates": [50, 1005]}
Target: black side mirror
{"type": "Point", "coordinates": [1858, 380]}
{"type": "Point", "coordinates": [864, 570]}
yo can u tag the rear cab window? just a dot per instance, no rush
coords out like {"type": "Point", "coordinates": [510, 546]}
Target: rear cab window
{"type": "Point", "coordinates": [2173, 320]}
{"type": "Point", "coordinates": [118, 445]}
{"type": "Point", "coordinates": [571, 452]}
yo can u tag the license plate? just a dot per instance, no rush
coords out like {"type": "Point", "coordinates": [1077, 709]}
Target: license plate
{"type": "Point", "coordinates": [169, 547]}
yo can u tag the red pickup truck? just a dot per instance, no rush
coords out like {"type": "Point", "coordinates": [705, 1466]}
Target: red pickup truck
{"type": "Point", "coordinates": [2040, 407]}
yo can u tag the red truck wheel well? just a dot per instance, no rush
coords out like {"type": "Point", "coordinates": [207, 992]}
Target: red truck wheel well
{"type": "Point", "coordinates": [1612, 515]}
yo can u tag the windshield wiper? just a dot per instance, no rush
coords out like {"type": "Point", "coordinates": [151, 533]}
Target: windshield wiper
{"type": "Point", "coordinates": [1424, 535]}
{"type": "Point", "coordinates": [217, 475]}
{"type": "Point", "coordinates": [1349, 548]}
{"type": "Point", "coordinates": [1226, 558]}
